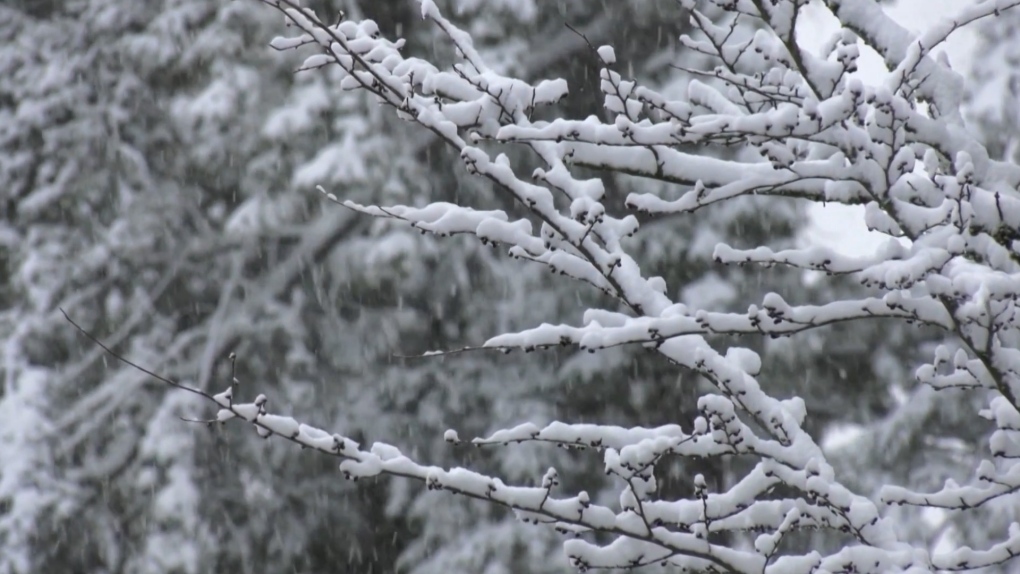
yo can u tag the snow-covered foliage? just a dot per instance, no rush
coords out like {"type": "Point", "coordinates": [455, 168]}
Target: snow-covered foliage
{"type": "Point", "coordinates": [158, 166]}
{"type": "Point", "coordinates": [801, 126]}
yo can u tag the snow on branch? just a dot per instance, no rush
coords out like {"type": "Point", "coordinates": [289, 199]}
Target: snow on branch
{"type": "Point", "coordinates": [800, 126]}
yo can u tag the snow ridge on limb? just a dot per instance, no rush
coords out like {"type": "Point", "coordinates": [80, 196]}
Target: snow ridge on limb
{"type": "Point", "coordinates": [805, 130]}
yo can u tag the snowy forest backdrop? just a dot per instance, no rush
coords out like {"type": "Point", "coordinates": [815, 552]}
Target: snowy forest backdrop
{"type": "Point", "coordinates": [158, 172]}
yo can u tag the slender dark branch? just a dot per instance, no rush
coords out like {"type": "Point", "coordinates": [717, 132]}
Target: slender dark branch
{"type": "Point", "coordinates": [129, 363]}
{"type": "Point", "coordinates": [583, 37]}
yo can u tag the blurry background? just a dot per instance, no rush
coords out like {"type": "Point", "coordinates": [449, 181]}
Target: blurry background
{"type": "Point", "coordinates": [157, 173]}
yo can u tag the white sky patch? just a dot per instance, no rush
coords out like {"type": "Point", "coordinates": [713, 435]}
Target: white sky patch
{"type": "Point", "coordinates": [841, 227]}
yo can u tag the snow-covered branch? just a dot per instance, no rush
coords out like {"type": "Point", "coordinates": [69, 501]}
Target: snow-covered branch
{"type": "Point", "coordinates": [798, 126]}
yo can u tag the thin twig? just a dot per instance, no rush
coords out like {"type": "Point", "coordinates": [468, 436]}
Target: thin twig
{"type": "Point", "coordinates": [128, 362]}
